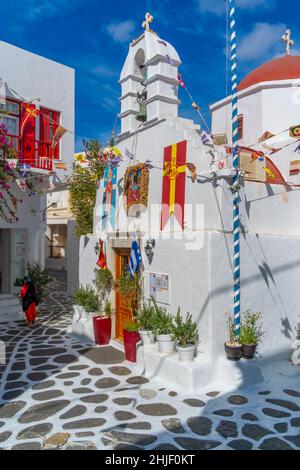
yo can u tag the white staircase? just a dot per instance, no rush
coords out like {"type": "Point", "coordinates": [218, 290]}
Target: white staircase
{"type": "Point", "coordinates": [10, 308]}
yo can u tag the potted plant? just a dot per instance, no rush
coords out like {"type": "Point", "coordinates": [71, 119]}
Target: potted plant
{"type": "Point", "coordinates": [233, 348]}
{"type": "Point", "coordinates": [102, 326]}
{"type": "Point", "coordinates": [40, 278]}
{"type": "Point", "coordinates": [164, 330]}
{"type": "Point", "coordinates": [80, 296]}
{"type": "Point", "coordinates": [91, 301]}
{"type": "Point", "coordinates": [251, 333]}
{"type": "Point", "coordinates": [131, 338]}
{"type": "Point", "coordinates": [104, 283]}
{"type": "Point", "coordinates": [146, 320]}
{"type": "Point", "coordinates": [186, 336]}
{"type": "Point", "coordinates": [131, 291]}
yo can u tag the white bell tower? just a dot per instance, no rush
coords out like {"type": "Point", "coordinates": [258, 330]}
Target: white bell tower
{"type": "Point", "coordinates": [150, 76]}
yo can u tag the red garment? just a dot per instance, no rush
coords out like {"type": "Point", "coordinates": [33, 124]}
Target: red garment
{"type": "Point", "coordinates": [23, 291]}
{"type": "Point", "coordinates": [31, 311]}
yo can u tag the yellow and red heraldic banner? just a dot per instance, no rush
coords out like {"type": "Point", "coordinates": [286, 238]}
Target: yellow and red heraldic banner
{"type": "Point", "coordinates": [174, 176]}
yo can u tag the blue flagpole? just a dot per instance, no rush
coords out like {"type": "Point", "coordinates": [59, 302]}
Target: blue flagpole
{"type": "Point", "coordinates": [235, 138]}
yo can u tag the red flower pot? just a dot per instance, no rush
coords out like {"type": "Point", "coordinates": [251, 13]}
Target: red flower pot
{"type": "Point", "coordinates": [102, 330]}
{"type": "Point", "coordinates": [130, 341]}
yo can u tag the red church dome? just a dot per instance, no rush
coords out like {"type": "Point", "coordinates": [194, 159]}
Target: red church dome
{"type": "Point", "coordinates": [284, 68]}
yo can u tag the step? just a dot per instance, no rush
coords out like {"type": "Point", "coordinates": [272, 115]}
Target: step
{"type": "Point", "coordinates": [7, 310]}
{"type": "Point", "coordinates": [8, 302]}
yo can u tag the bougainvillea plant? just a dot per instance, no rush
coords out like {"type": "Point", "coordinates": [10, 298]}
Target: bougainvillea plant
{"type": "Point", "coordinates": [8, 202]}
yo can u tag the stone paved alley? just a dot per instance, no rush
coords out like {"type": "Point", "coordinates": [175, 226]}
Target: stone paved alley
{"type": "Point", "coordinates": [52, 384]}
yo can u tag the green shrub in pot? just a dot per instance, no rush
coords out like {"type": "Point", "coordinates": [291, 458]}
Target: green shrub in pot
{"type": "Point", "coordinates": [147, 321]}
{"type": "Point", "coordinates": [251, 333]}
{"type": "Point", "coordinates": [164, 329]}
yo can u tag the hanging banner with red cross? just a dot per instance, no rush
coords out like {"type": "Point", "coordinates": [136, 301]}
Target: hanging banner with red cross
{"type": "Point", "coordinates": [174, 175]}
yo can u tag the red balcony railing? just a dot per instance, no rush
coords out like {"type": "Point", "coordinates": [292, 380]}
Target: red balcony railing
{"type": "Point", "coordinates": [36, 153]}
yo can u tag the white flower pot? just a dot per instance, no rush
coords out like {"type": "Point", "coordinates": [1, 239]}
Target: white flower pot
{"type": "Point", "coordinates": [166, 344]}
{"type": "Point", "coordinates": [186, 354]}
{"type": "Point", "coordinates": [83, 314]}
{"type": "Point", "coordinates": [147, 337]}
{"type": "Point", "coordinates": [76, 316]}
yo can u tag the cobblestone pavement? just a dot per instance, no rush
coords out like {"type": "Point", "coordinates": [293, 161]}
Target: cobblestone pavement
{"type": "Point", "coordinates": [53, 384]}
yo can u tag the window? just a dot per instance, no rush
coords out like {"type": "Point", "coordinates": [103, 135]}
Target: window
{"type": "Point", "coordinates": [10, 117]}
{"type": "Point", "coordinates": [49, 122]}
{"type": "Point", "coordinates": [10, 107]}
{"type": "Point", "coordinates": [241, 126]}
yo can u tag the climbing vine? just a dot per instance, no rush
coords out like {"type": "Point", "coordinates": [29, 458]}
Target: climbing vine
{"type": "Point", "coordinates": [83, 185]}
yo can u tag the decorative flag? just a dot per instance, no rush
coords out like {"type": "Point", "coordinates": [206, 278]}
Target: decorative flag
{"type": "Point", "coordinates": [195, 106]}
{"type": "Point", "coordinates": [58, 135]}
{"type": "Point", "coordinates": [193, 170]}
{"type": "Point", "coordinates": [270, 149]}
{"type": "Point", "coordinates": [135, 259]}
{"type": "Point", "coordinates": [24, 169]}
{"type": "Point", "coordinates": [60, 165]}
{"type": "Point", "coordinates": [295, 131]}
{"type": "Point", "coordinates": [129, 154]}
{"type": "Point", "coordinates": [115, 151]}
{"type": "Point", "coordinates": [13, 163]}
{"type": "Point", "coordinates": [21, 184]}
{"type": "Point", "coordinates": [29, 114]}
{"type": "Point", "coordinates": [295, 168]}
{"type": "Point", "coordinates": [220, 139]}
{"type": "Point", "coordinates": [181, 81]}
{"type": "Point", "coordinates": [174, 176]}
{"type": "Point", "coordinates": [109, 197]}
{"type": "Point", "coordinates": [205, 138]}
{"type": "Point", "coordinates": [274, 175]}
{"type": "Point", "coordinates": [266, 135]}
{"type": "Point", "coordinates": [102, 258]}
{"type": "Point", "coordinates": [297, 149]}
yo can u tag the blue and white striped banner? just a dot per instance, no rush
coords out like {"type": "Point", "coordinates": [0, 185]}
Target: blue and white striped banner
{"type": "Point", "coordinates": [235, 138]}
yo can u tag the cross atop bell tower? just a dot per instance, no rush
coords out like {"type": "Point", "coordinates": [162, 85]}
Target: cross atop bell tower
{"type": "Point", "coordinates": [148, 20]}
{"type": "Point", "coordinates": [289, 41]}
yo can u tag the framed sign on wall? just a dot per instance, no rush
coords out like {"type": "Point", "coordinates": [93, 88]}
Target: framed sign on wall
{"type": "Point", "coordinates": [158, 287]}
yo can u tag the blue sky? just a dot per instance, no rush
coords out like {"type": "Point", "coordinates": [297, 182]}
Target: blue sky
{"type": "Point", "coordinates": [92, 36]}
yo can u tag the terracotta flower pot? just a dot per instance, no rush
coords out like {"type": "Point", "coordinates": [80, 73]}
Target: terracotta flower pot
{"type": "Point", "coordinates": [102, 330]}
{"type": "Point", "coordinates": [130, 341]}
{"type": "Point", "coordinates": [249, 350]}
{"type": "Point", "coordinates": [233, 351]}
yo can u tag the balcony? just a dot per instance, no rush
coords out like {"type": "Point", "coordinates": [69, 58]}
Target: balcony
{"type": "Point", "coordinates": [39, 155]}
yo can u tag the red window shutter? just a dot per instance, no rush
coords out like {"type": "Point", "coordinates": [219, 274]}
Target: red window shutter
{"type": "Point", "coordinates": [27, 130]}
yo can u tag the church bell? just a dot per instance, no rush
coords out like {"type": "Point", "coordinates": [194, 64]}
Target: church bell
{"type": "Point", "coordinates": [142, 114]}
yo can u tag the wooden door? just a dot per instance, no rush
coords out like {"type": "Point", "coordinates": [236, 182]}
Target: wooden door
{"type": "Point", "coordinates": [123, 312]}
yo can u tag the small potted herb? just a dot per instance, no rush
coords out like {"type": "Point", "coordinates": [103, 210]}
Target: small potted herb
{"type": "Point", "coordinates": [146, 320]}
{"type": "Point", "coordinates": [164, 330]}
{"type": "Point", "coordinates": [233, 348]}
{"type": "Point", "coordinates": [186, 336]}
{"type": "Point", "coordinates": [131, 338]}
{"type": "Point", "coordinates": [250, 334]}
